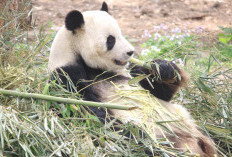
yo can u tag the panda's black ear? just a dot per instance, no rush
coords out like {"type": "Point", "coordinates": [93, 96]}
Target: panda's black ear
{"type": "Point", "coordinates": [104, 7]}
{"type": "Point", "coordinates": [74, 20]}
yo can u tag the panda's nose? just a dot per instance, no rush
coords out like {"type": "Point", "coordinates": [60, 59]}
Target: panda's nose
{"type": "Point", "coordinates": [130, 53]}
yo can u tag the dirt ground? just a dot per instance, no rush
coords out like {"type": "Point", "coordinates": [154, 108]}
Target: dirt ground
{"type": "Point", "coordinates": [135, 16]}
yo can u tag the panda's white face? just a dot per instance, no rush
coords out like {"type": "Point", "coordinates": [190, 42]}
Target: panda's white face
{"type": "Point", "coordinates": [100, 42]}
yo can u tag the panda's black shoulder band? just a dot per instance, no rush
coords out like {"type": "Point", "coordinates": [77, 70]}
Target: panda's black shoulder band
{"type": "Point", "coordinates": [74, 20]}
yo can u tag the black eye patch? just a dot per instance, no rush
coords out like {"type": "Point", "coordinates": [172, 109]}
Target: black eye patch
{"type": "Point", "coordinates": [110, 42]}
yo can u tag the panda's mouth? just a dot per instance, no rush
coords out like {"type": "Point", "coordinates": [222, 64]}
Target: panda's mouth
{"type": "Point", "coordinates": [121, 63]}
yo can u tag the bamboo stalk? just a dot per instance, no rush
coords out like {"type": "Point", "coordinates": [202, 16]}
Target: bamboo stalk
{"type": "Point", "coordinates": [140, 63]}
{"type": "Point", "coordinates": [66, 100]}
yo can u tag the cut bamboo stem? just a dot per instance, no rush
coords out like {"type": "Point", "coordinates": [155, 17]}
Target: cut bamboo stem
{"type": "Point", "coordinates": [66, 100]}
{"type": "Point", "coordinates": [140, 63]}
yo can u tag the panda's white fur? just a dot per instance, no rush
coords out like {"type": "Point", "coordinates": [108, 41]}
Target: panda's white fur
{"type": "Point", "coordinates": [89, 42]}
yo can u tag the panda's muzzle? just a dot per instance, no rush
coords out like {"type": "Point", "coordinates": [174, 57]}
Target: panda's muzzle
{"type": "Point", "coordinates": [121, 63]}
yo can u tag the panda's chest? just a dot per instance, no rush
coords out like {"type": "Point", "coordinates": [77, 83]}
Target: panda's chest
{"type": "Point", "coordinates": [108, 90]}
{"type": "Point", "coordinates": [122, 93]}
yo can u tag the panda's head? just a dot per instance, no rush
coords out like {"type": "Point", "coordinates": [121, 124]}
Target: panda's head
{"type": "Point", "coordinates": [96, 37]}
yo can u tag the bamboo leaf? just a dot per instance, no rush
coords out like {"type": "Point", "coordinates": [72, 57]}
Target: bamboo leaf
{"type": "Point", "coordinates": [204, 87]}
{"type": "Point", "coordinates": [137, 79]}
{"type": "Point", "coordinates": [45, 90]}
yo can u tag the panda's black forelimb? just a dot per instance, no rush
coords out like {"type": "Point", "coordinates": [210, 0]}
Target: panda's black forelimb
{"type": "Point", "coordinates": [82, 77]}
{"type": "Point", "coordinates": [77, 74]}
{"type": "Point", "coordinates": [164, 81]}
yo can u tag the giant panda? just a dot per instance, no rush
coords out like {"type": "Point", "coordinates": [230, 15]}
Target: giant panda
{"type": "Point", "coordinates": [92, 52]}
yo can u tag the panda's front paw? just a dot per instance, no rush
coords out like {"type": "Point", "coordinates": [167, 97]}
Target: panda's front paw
{"type": "Point", "coordinates": [166, 71]}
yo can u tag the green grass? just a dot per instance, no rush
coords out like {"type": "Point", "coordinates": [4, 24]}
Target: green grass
{"type": "Point", "coordinates": [29, 127]}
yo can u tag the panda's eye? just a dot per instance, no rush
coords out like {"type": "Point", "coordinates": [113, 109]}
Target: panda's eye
{"type": "Point", "coordinates": [110, 42]}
